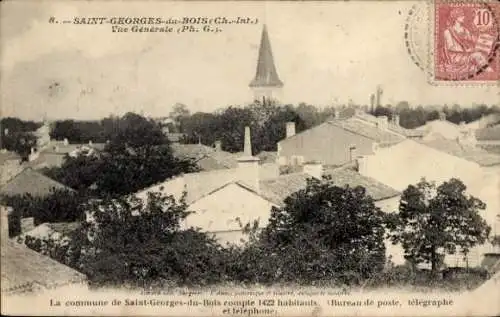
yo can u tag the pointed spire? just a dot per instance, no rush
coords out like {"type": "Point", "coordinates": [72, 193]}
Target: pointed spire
{"type": "Point", "coordinates": [266, 74]}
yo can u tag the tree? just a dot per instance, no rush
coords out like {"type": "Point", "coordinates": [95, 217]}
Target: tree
{"type": "Point", "coordinates": [141, 242]}
{"type": "Point", "coordinates": [274, 129]}
{"type": "Point", "coordinates": [137, 156]}
{"type": "Point", "coordinates": [325, 232]}
{"type": "Point", "coordinates": [178, 113]}
{"type": "Point", "coordinates": [20, 142]}
{"type": "Point", "coordinates": [434, 221]}
{"type": "Point", "coordinates": [61, 205]}
{"type": "Point", "coordinates": [79, 173]}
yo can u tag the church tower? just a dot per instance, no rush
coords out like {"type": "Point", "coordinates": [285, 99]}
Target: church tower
{"type": "Point", "coordinates": [266, 85]}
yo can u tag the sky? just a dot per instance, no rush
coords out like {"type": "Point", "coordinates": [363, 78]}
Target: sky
{"type": "Point", "coordinates": [325, 53]}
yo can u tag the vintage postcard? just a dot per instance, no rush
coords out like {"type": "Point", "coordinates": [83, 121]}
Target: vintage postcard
{"type": "Point", "coordinates": [250, 158]}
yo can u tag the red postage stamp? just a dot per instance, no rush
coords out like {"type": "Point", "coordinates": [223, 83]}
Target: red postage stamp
{"type": "Point", "coordinates": [466, 45]}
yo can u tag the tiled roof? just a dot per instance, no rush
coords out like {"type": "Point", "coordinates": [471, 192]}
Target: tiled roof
{"type": "Point", "coordinates": [175, 137]}
{"type": "Point", "coordinates": [61, 148]}
{"type": "Point", "coordinates": [488, 134]}
{"type": "Point", "coordinates": [377, 190]}
{"type": "Point", "coordinates": [207, 158]}
{"type": "Point", "coordinates": [491, 148]}
{"type": "Point", "coordinates": [199, 184]}
{"type": "Point", "coordinates": [410, 133]}
{"type": "Point", "coordinates": [47, 159]}
{"type": "Point", "coordinates": [470, 153]}
{"type": "Point", "coordinates": [190, 150]}
{"type": "Point", "coordinates": [32, 182]}
{"type": "Point", "coordinates": [24, 269]}
{"type": "Point", "coordinates": [8, 156]}
{"type": "Point", "coordinates": [46, 230]}
{"type": "Point", "coordinates": [382, 136]}
{"type": "Point", "coordinates": [277, 189]}
{"type": "Point", "coordinates": [267, 157]}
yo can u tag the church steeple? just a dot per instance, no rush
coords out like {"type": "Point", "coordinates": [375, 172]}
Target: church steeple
{"type": "Point", "coordinates": [266, 79]}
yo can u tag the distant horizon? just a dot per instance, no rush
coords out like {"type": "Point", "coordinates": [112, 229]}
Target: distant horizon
{"type": "Point", "coordinates": [324, 57]}
{"type": "Point", "coordinates": [413, 107]}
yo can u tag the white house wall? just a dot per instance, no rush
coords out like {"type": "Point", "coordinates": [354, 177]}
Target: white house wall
{"type": "Point", "coordinates": [226, 211]}
{"type": "Point", "coordinates": [406, 163]}
{"type": "Point", "coordinates": [394, 252]}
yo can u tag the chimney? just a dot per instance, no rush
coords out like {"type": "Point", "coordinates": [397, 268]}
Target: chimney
{"type": "Point", "coordinates": [382, 122]}
{"type": "Point", "coordinates": [290, 129]}
{"type": "Point", "coordinates": [315, 169]}
{"type": "Point", "coordinates": [66, 142]}
{"type": "Point", "coordinates": [395, 119]}
{"type": "Point", "coordinates": [5, 222]}
{"type": "Point", "coordinates": [248, 165]}
{"type": "Point", "coordinates": [218, 145]}
{"type": "Point", "coordinates": [352, 153]}
{"type": "Point", "coordinates": [361, 165]}
{"type": "Point", "coordinates": [442, 116]}
{"type": "Point", "coordinates": [27, 224]}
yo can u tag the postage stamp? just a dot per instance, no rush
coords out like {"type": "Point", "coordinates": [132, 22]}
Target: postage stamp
{"type": "Point", "coordinates": [466, 41]}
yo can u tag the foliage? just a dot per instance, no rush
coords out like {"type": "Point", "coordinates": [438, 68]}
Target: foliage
{"type": "Point", "coordinates": [19, 142]}
{"type": "Point", "coordinates": [14, 220]}
{"type": "Point", "coordinates": [323, 232]}
{"type": "Point", "coordinates": [409, 277]}
{"type": "Point", "coordinates": [141, 243]}
{"type": "Point", "coordinates": [60, 206]}
{"type": "Point", "coordinates": [137, 155]}
{"type": "Point", "coordinates": [79, 173]}
{"type": "Point", "coordinates": [267, 123]}
{"type": "Point", "coordinates": [434, 221]}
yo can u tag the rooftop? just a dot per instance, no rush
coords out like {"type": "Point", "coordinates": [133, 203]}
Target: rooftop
{"type": "Point", "coordinates": [8, 156]}
{"type": "Point", "coordinates": [489, 133]}
{"type": "Point", "coordinates": [380, 135]}
{"type": "Point", "coordinates": [207, 158]}
{"type": "Point", "coordinates": [59, 147]}
{"type": "Point", "coordinates": [24, 270]}
{"type": "Point", "coordinates": [277, 189]}
{"type": "Point", "coordinates": [353, 113]}
{"type": "Point", "coordinates": [469, 153]}
{"type": "Point", "coordinates": [31, 182]}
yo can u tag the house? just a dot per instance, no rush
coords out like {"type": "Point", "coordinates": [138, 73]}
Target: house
{"type": "Point", "coordinates": [489, 138]}
{"type": "Point", "coordinates": [31, 182]}
{"type": "Point", "coordinates": [224, 202]}
{"type": "Point", "coordinates": [25, 271]}
{"type": "Point", "coordinates": [174, 137]}
{"type": "Point", "coordinates": [336, 142]}
{"type": "Point", "coordinates": [440, 160]}
{"type": "Point", "coordinates": [392, 125]}
{"type": "Point", "coordinates": [248, 170]}
{"type": "Point", "coordinates": [484, 122]}
{"type": "Point", "coordinates": [441, 128]}
{"type": "Point", "coordinates": [206, 158]}
{"type": "Point", "coordinates": [225, 211]}
{"type": "Point", "coordinates": [55, 231]}
{"type": "Point", "coordinates": [10, 166]}
{"type": "Point", "coordinates": [54, 153]}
